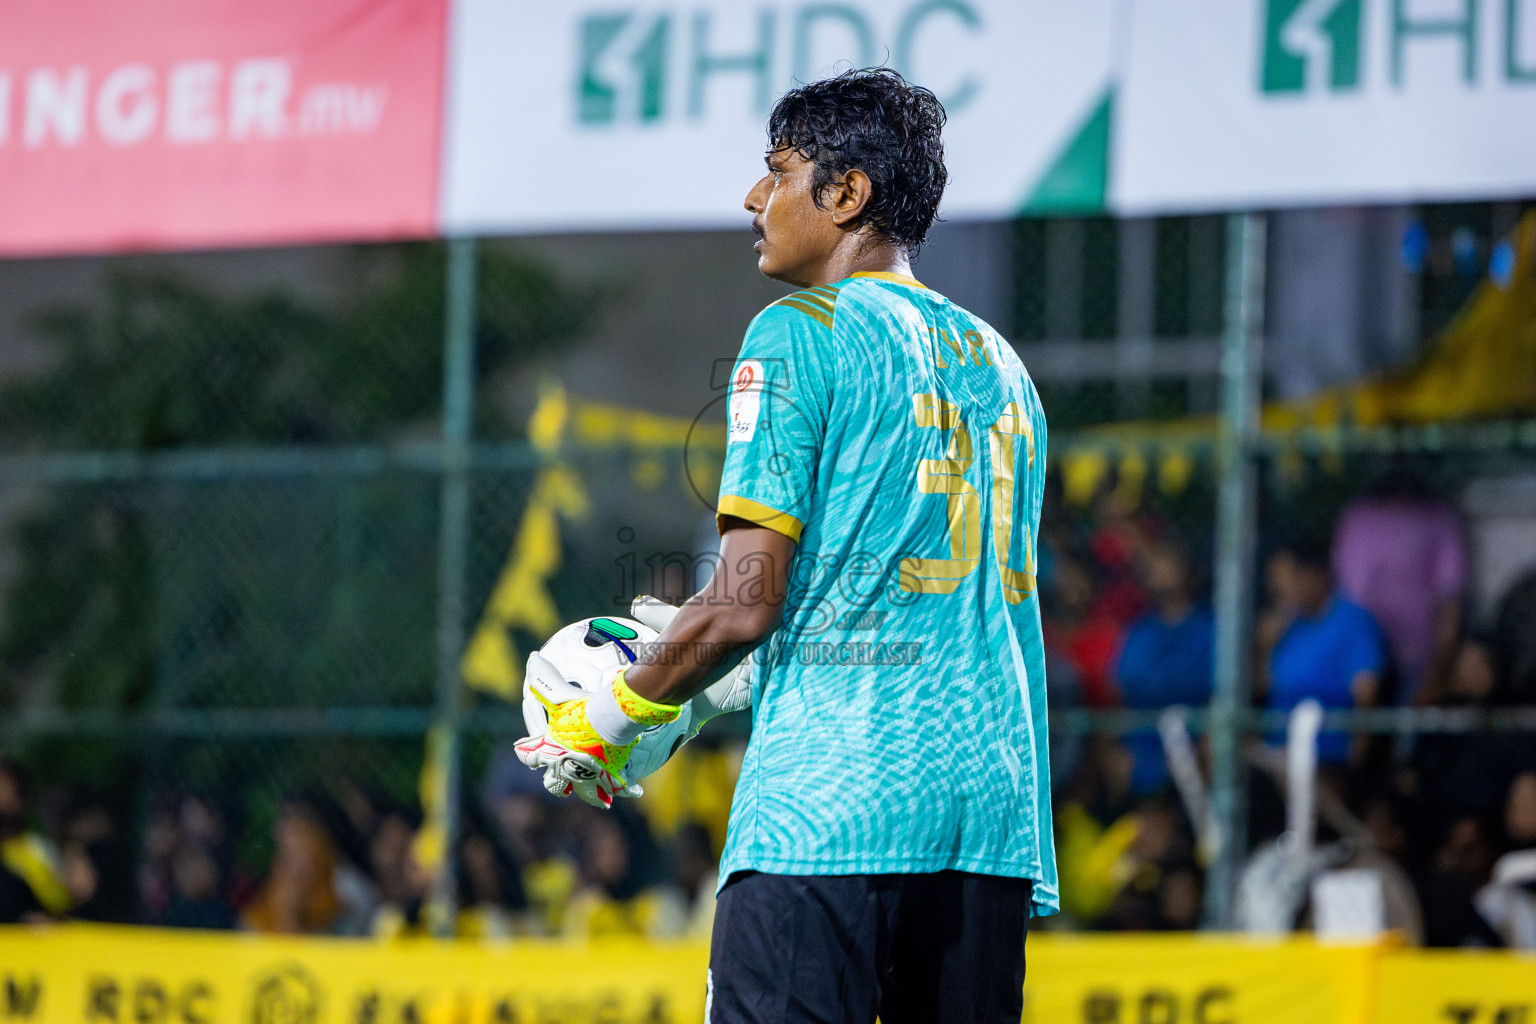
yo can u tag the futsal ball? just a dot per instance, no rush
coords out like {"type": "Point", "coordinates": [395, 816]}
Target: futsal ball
{"type": "Point", "coordinates": [587, 653]}
{"type": "Point", "coordinates": [590, 651]}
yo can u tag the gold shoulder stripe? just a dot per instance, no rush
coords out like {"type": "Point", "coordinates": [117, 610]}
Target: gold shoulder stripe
{"type": "Point", "coordinates": [817, 298]}
{"type": "Point", "coordinates": [812, 300]}
{"type": "Point", "coordinates": [819, 313]}
{"type": "Point", "coordinates": [818, 303]}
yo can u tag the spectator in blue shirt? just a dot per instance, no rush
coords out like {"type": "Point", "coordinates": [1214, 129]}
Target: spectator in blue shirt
{"type": "Point", "coordinates": [1314, 642]}
{"type": "Point", "coordinates": [1168, 656]}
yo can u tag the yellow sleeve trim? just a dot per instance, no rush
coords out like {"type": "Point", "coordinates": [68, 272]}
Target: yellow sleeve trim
{"type": "Point", "coordinates": [911, 282]}
{"type": "Point", "coordinates": [758, 514]}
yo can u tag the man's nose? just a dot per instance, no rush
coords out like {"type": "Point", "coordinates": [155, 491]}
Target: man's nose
{"type": "Point", "coordinates": [751, 202]}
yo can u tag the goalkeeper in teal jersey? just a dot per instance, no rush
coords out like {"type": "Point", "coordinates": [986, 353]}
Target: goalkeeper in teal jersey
{"type": "Point", "coordinates": [885, 461]}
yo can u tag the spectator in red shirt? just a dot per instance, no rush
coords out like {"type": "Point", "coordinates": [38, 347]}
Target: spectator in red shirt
{"type": "Point", "coordinates": [1079, 629]}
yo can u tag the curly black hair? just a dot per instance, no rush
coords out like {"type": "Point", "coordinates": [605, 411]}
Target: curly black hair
{"type": "Point", "coordinates": [874, 120]}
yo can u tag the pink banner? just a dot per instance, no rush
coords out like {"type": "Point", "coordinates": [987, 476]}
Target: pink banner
{"type": "Point", "coordinates": [164, 124]}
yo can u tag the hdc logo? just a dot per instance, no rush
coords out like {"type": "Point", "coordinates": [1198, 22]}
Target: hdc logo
{"type": "Point", "coordinates": [1311, 44]}
{"type": "Point", "coordinates": [647, 66]}
{"type": "Point", "coordinates": [1323, 46]}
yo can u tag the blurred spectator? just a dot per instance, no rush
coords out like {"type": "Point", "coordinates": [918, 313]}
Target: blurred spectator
{"type": "Point", "coordinates": [299, 895]}
{"type": "Point", "coordinates": [1095, 829]}
{"type": "Point", "coordinates": [1120, 536]}
{"type": "Point", "coordinates": [695, 875]}
{"type": "Point", "coordinates": [613, 898]}
{"type": "Point", "coordinates": [1161, 889]}
{"type": "Point", "coordinates": [1516, 612]}
{"type": "Point", "coordinates": [31, 882]}
{"type": "Point", "coordinates": [161, 837]}
{"type": "Point", "coordinates": [395, 874]}
{"type": "Point", "coordinates": [492, 903]}
{"type": "Point", "coordinates": [529, 822]}
{"type": "Point", "coordinates": [197, 898]}
{"type": "Point", "coordinates": [1314, 642]}
{"type": "Point", "coordinates": [199, 871]}
{"type": "Point", "coordinates": [1459, 866]}
{"type": "Point", "coordinates": [1508, 902]}
{"type": "Point", "coordinates": [97, 862]}
{"type": "Point", "coordinates": [1181, 898]}
{"type": "Point", "coordinates": [404, 881]}
{"type": "Point", "coordinates": [1469, 773]}
{"type": "Point", "coordinates": [1520, 812]}
{"type": "Point", "coordinates": [1401, 554]}
{"type": "Point", "coordinates": [1063, 693]}
{"type": "Point", "coordinates": [310, 889]}
{"type": "Point", "coordinates": [1092, 592]}
{"type": "Point", "coordinates": [1346, 880]}
{"type": "Point", "coordinates": [600, 906]}
{"type": "Point", "coordinates": [489, 894]}
{"type": "Point", "coordinates": [1168, 656]}
{"type": "Point", "coordinates": [1168, 653]}
{"type": "Point", "coordinates": [1081, 629]}
{"type": "Point", "coordinates": [1476, 678]}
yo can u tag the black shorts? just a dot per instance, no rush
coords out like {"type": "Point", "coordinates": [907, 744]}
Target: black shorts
{"type": "Point", "coordinates": [942, 948]}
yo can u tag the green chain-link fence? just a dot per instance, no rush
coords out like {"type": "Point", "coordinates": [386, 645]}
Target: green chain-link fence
{"type": "Point", "coordinates": [236, 566]}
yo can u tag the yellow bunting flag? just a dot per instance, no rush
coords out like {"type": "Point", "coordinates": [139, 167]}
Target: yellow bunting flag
{"type": "Point", "coordinates": [521, 597]}
{"type": "Point", "coordinates": [1081, 474]}
{"type": "Point", "coordinates": [1174, 470]}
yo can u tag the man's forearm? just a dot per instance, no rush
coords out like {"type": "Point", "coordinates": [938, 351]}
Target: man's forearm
{"type": "Point", "coordinates": [700, 646]}
{"type": "Point", "coordinates": [719, 625]}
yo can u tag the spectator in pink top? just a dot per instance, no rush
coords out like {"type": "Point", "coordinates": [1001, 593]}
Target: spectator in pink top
{"type": "Point", "coordinates": [1401, 553]}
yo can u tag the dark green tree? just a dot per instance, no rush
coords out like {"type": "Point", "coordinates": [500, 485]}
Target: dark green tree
{"type": "Point", "coordinates": [236, 590]}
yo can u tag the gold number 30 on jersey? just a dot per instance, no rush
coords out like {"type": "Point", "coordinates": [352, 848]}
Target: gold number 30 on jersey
{"type": "Point", "coordinates": [946, 476]}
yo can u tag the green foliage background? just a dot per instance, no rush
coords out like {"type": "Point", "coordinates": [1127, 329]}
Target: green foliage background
{"type": "Point", "coordinates": [243, 591]}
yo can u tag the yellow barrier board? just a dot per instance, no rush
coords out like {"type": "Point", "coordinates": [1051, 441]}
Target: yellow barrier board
{"type": "Point", "coordinates": [86, 975]}
{"type": "Point", "coordinates": [1182, 979]}
{"type": "Point", "coordinates": [96, 975]}
{"type": "Point", "coordinates": [1457, 988]}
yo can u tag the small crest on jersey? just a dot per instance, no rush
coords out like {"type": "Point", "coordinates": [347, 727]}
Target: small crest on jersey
{"type": "Point", "coordinates": [746, 401]}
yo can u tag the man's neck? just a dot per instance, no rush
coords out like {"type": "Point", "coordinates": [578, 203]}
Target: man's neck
{"type": "Point", "coordinates": [856, 256]}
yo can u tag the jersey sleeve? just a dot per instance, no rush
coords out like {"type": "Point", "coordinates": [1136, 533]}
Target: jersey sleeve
{"type": "Point", "coordinates": [777, 409]}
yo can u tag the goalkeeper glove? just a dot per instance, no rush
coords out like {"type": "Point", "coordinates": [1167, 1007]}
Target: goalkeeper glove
{"type": "Point", "coordinates": [589, 738]}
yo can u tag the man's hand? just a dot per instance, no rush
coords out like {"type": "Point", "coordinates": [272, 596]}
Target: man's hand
{"type": "Point", "coordinates": [574, 757]}
{"type": "Point", "coordinates": [589, 738]}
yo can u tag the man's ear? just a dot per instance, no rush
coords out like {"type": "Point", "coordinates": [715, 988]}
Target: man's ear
{"type": "Point", "coordinates": [850, 196]}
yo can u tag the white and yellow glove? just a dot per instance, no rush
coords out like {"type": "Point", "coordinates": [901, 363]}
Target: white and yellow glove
{"type": "Point", "coordinates": [590, 738]}
{"type": "Point", "coordinates": [551, 693]}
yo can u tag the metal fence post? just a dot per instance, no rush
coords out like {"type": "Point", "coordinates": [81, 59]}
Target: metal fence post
{"type": "Point", "coordinates": [452, 561]}
{"type": "Point", "coordinates": [1236, 526]}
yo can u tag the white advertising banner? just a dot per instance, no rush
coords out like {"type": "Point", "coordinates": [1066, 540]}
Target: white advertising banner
{"type": "Point", "coordinates": [1230, 104]}
{"type": "Point", "coordinates": [597, 115]}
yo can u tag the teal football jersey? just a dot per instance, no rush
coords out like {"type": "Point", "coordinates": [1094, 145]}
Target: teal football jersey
{"type": "Point", "coordinates": [899, 713]}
